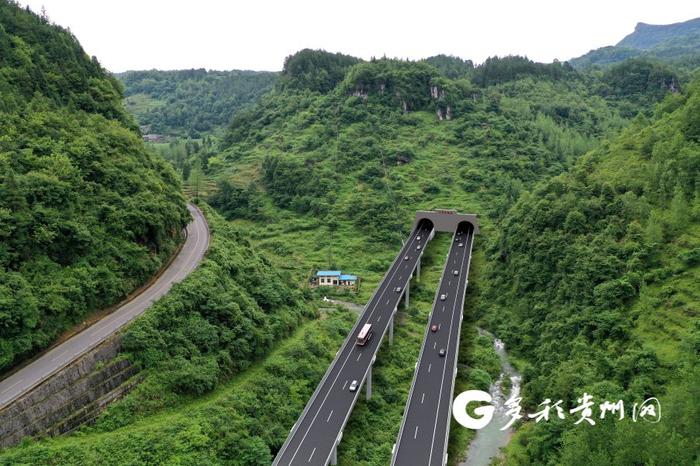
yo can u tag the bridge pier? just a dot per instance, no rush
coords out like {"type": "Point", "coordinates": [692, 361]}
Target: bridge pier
{"type": "Point", "coordinates": [391, 327]}
{"type": "Point", "coordinates": [334, 455]}
{"type": "Point", "coordinates": [406, 293]}
{"type": "Point", "coordinates": [369, 381]}
{"type": "Point", "coordinates": [418, 269]}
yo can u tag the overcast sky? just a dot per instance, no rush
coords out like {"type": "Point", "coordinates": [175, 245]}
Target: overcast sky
{"type": "Point", "coordinates": [258, 34]}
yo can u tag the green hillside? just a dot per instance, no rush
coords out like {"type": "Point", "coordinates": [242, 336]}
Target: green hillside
{"type": "Point", "coordinates": [673, 43]}
{"type": "Point", "coordinates": [191, 103]}
{"type": "Point", "coordinates": [594, 282]}
{"type": "Point", "coordinates": [86, 213]}
{"type": "Point", "coordinates": [569, 246]}
{"type": "Point", "coordinates": [587, 188]}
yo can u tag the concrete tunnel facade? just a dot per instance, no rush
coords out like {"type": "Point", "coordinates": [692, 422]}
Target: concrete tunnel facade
{"type": "Point", "coordinates": [446, 219]}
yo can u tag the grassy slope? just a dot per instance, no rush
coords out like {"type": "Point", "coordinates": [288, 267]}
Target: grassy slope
{"type": "Point", "coordinates": [213, 429]}
{"type": "Point", "coordinates": [663, 314]}
{"type": "Point", "coordinates": [514, 144]}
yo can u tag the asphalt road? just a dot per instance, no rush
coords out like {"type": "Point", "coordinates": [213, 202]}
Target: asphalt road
{"type": "Point", "coordinates": [424, 430]}
{"type": "Point", "coordinates": [58, 357]}
{"type": "Point", "coordinates": [314, 435]}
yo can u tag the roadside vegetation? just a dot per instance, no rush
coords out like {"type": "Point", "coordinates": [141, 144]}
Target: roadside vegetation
{"type": "Point", "coordinates": [586, 183]}
{"type": "Point", "coordinates": [87, 214]}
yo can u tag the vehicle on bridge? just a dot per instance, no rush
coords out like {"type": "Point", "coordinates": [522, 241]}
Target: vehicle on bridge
{"type": "Point", "coordinates": [365, 335]}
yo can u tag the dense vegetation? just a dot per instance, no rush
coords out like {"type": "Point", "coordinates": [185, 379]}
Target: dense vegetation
{"type": "Point", "coordinates": [86, 213]}
{"type": "Point", "coordinates": [315, 70]}
{"type": "Point", "coordinates": [241, 424]}
{"type": "Point", "coordinates": [595, 282]}
{"type": "Point", "coordinates": [674, 43]}
{"type": "Point", "coordinates": [588, 191]}
{"type": "Point", "coordinates": [191, 103]}
{"type": "Point", "coordinates": [206, 333]}
{"type": "Point", "coordinates": [347, 168]}
{"type": "Point", "coordinates": [228, 313]}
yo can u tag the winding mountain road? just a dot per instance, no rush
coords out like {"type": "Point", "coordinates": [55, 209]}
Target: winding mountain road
{"type": "Point", "coordinates": [189, 257]}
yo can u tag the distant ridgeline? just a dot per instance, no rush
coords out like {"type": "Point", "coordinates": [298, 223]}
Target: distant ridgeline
{"type": "Point", "coordinates": [86, 213]}
{"type": "Point", "coordinates": [328, 138]}
{"type": "Point", "coordinates": [679, 42]}
{"type": "Point", "coordinates": [191, 102]}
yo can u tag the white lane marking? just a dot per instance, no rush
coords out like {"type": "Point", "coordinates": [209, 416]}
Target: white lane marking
{"type": "Point", "coordinates": [379, 318]}
{"type": "Point", "coordinates": [415, 434]}
{"type": "Point", "coordinates": [345, 384]}
{"type": "Point", "coordinates": [422, 398]}
{"type": "Point", "coordinates": [435, 345]}
{"type": "Point", "coordinates": [328, 392]}
{"type": "Point", "coordinates": [358, 357]}
{"type": "Point", "coordinates": [312, 455]}
{"type": "Point", "coordinates": [430, 366]}
{"type": "Point", "coordinates": [329, 416]}
{"type": "Point", "coordinates": [449, 283]}
{"type": "Point", "coordinates": [12, 386]}
{"type": "Point", "coordinates": [387, 301]}
{"type": "Point", "coordinates": [444, 367]}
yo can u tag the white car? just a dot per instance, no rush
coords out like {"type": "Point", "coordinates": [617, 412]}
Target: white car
{"type": "Point", "coordinates": [443, 297]}
{"type": "Point", "coordinates": [461, 245]}
{"type": "Point", "coordinates": [456, 272]}
{"type": "Point", "coordinates": [397, 289]}
{"type": "Point", "coordinates": [406, 258]}
{"type": "Point", "coordinates": [418, 247]}
{"type": "Point", "coordinates": [353, 386]}
{"type": "Point", "coordinates": [418, 238]}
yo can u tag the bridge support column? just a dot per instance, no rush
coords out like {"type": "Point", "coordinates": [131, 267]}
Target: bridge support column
{"type": "Point", "coordinates": [405, 295]}
{"type": "Point", "coordinates": [369, 381]}
{"type": "Point", "coordinates": [334, 455]}
{"type": "Point", "coordinates": [418, 269]}
{"type": "Point", "coordinates": [391, 328]}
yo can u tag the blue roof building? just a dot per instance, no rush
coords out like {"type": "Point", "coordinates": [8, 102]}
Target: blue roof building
{"type": "Point", "coordinates": [334, 278]}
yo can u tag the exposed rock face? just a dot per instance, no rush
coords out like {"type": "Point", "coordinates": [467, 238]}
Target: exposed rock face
{"type": "Point", "coordinates": [436, 92]}
{"type": "Point", "coordinates": [361, 91]}
{"type": "Point", "coordinates": [73, 396]}
{"type": "Point", "coordinates": [444, 113]}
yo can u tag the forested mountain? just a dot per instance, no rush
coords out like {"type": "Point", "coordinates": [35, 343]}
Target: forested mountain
{"type": "Point", "coordinates": [86, 213]}
{"type": "Point", "coordinates": [349, 166]}
{"type": "Point", "coordinates": [191, 102]}
{"type": "Point", "coordinates": [676, 43]}
{"type": "Point", "coordinates": [593, 279]}
{"type": "Point", "coordinates": [586, 183]}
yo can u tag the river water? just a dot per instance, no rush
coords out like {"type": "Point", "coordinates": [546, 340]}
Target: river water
{"type": "Point", "coordinates": [488, 441]}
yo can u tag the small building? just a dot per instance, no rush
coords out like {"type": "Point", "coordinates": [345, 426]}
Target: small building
{"type": "Point", "coordinates": [334, 278]}
{"type": "Point", "coordinates": [348, 280]}
{"type": "Point", "coordinates": [328, 277]}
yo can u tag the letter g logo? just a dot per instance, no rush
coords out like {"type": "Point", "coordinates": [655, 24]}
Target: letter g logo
{"type": "Point", "coordinates": [459, 409]}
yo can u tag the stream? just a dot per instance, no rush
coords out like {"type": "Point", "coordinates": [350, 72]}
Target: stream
{"type": "Point", "coordinates": [488, 441]}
